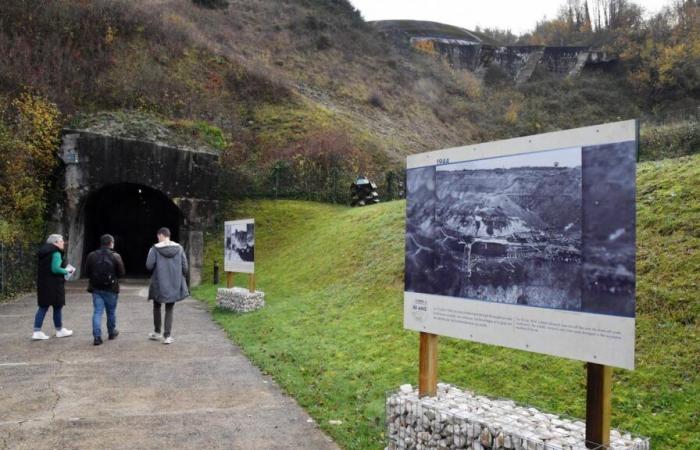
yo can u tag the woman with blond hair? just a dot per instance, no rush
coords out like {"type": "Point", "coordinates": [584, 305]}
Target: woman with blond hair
{"type": "Point", "coordinates": [50, 286]}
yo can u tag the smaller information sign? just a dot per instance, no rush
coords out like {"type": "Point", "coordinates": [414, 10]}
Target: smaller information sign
{"type": "Point", "coordinates": [239, 246]}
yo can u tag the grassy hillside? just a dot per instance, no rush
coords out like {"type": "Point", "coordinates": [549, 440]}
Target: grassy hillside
{"type": "Point", "coordinates": [332, 336]}
{"type": "Point", "coordinates": [312, 64]}
{"type": "Point", "coordinates": [299, 96]}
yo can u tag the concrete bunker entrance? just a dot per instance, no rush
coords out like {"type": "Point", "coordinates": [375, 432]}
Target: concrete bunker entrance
{"type": "Point", "coordinates": [132, 213]}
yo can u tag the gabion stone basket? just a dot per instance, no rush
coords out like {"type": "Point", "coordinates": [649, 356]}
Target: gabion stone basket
{"type": "Point", "coordinates": [457, 419]}
{"type": "Point", "coordinates": [239, 299]}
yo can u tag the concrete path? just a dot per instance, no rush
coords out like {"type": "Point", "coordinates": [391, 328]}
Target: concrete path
{"type": "Point", "coordinates": [132, 393]}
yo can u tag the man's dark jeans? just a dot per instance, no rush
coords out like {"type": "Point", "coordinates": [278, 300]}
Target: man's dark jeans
{"type": "Point", "coordinates": [102, 300]}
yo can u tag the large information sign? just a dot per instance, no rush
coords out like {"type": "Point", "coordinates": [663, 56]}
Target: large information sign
{"type": "Point", "coordinates": [527, 243]}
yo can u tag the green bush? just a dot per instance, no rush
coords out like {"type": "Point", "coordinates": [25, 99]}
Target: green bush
{"type": "Point", "coordinates": [669, 141]}
{"type": "Point", "coordinates": [17, 269]}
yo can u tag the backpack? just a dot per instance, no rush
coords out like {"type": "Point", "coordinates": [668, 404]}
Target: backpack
{"type": "Point", "coordinates": [104, 275]}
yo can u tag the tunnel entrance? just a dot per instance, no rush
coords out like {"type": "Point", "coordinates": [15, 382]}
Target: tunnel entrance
{"type": "Point", "coordinates": [133, 214]}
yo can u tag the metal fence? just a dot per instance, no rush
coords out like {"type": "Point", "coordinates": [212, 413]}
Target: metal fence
{"type": "Point", "coordinates": [672, 117]}
{"type": "Point", "coordinates": [17, 269]}
{"type": "Point", "coordinates": [281, 182]}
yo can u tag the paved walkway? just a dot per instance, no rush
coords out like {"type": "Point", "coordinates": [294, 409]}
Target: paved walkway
{"type": "Point", "coordinates": [129, 393]}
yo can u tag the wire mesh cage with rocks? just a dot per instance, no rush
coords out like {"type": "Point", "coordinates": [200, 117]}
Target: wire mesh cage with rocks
{"type": "Point", "coordinates": [239, 300]}
{"type": "Point", "coordinates": [460, 419]}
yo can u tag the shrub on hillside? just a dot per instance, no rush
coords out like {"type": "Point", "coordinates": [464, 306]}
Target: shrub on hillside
{"type": "Point", "coordinates": [468, 84]}
{"type": "Point", "coordinates": [320, 167]}
{"type": "Point", "coordinates": [323, 42]}
{"type": "Point", "coordinates": [213, 4]}
{"type": "Point", "coordinates": [312, 23]}
{"type": "Point", "coordinates": [376, 100]}
{"type": "Point", "coordinates": [495, 75]}
{"type": "Point", "coordinates": [669, 141]}
{"type": "Point", "coordinates": [256, 85]}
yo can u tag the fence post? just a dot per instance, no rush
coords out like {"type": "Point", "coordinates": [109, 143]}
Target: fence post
{"type": "Point", "coordinates": [389, 177]}
{"type": "Point", "coordinates": [2, 268]}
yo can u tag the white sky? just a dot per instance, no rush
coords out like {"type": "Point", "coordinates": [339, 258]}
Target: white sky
{"type": "Point", "coordinates": [567, 157]}
{"type": "Point", "coordinates": [519, 16]}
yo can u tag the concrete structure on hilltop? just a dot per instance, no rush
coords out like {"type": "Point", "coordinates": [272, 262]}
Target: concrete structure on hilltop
{"type": "Point", "coordinates": [130, 188]}
{"type": "Point", "coordinates": [470, 50]}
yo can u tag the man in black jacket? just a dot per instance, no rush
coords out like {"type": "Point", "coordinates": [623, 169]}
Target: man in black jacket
{"type": "Point", "coordinates": [103, 268]}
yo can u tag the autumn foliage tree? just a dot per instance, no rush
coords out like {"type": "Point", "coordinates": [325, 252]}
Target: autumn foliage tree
{"type": "Point", "coordinates": [660, 54]}
{"type": "Point", "coordinates": [29, 138]}
{"type": "Point", "coordinates": [664, 57]}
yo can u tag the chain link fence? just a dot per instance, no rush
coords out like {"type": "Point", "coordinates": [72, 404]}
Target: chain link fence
{"type": "Point", "coordinates": [17, 269]}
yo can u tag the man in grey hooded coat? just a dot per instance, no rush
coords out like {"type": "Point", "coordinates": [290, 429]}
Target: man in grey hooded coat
{"type": "Point", "coordinates": [168, 262]}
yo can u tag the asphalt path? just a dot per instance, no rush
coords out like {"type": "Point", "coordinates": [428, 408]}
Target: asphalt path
{"type": "Point", "coordinates": [134, 393]}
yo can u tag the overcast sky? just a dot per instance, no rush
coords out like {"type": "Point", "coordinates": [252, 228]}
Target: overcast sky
{"type": "Point", "coordinates": [567, 157]}
{"type": "Point", "coordinates": [517, 15]}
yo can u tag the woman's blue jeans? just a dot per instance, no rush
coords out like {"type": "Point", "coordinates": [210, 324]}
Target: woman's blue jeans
{"type": "Point", "coordinates": [102, 300]}
{"type": "Point", "coordinates": [41, 313]}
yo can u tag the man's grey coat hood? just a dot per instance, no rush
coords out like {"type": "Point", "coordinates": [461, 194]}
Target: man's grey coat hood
{"type": "Point", "coordinates": [169, 249]}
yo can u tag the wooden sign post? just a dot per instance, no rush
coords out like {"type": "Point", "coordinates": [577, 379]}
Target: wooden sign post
{"type": "Point", "coordinates": [598, 405]}
{"type": "Point", "coordinates": [428, 365]}
{"type": "Point", "coordinates": [251, 281]}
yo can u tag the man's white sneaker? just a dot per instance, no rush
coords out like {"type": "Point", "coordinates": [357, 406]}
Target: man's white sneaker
{"type": "Point", "coordinates": [39, 336]}
{"type": "Point", "coordinates": [154, 336]}
{"type": "Point", "coordinates": [168, 340]}
{"type": "Point", "coordinates": [64, 332]}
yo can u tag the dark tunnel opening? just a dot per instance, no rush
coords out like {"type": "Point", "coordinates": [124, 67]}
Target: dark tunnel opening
{"type": "Point", "coordinates": [132, 214]}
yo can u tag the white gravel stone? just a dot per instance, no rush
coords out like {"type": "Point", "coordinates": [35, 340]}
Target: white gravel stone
{"type": "Point", "coordinates": [239, 299]}
{"type": "Point", "coordinates": [457, 419]}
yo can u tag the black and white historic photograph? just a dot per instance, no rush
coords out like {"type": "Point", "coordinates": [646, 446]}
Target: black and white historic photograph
{"type": "Point", "coordinates": [505, 229]}
{"type": "Point", "coordinates": [420, 231]}
{"type": "Point", "coordinates": [609, 229]}
{"type": "Point", "coordinates": [239, 246]}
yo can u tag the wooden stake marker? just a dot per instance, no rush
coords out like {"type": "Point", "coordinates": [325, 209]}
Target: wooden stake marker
{"type": "Point", "coordinates": [428, 365]}
{"type": "Point", "coordinates": [598, 405]}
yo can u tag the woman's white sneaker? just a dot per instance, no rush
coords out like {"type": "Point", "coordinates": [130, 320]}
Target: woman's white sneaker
{"type": "Point", "coordinates": [154, 336]}
{"type": "Point", "coordinates": [39, 336]}
{"type": "Point", "coordinates": [64, 332]}
{"type": "Point", "coordinates": [168, 340]}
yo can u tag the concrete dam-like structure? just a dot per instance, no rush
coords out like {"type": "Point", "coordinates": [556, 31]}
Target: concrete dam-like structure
{"type": "Point", "coordinates": [130, 189]}
{"type": "Point", "coordinates": [469, 50]}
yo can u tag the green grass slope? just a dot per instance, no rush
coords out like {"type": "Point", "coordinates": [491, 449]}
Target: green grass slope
{"type": "Point", "coordinates": [332, 335]}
